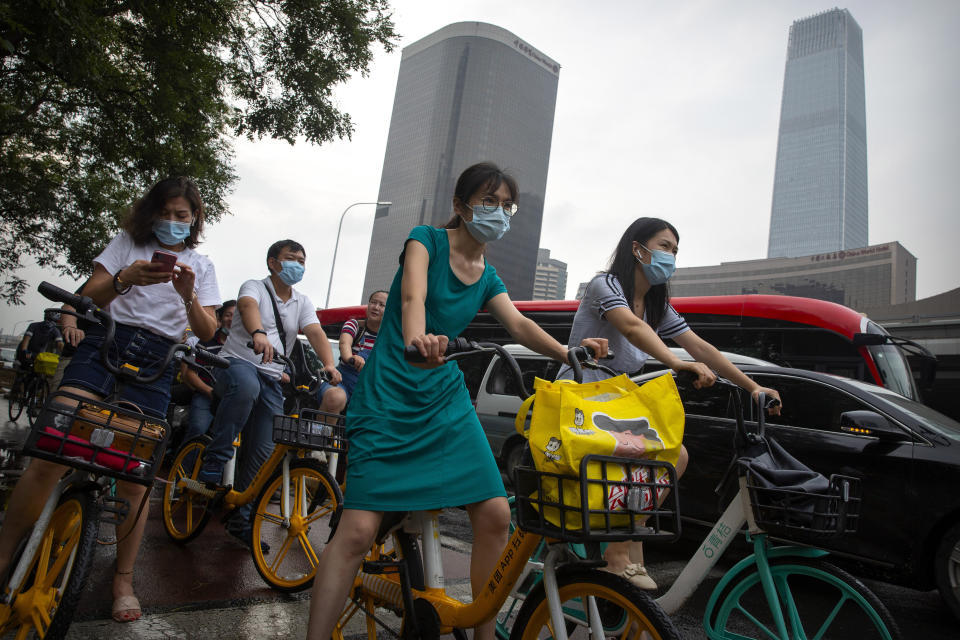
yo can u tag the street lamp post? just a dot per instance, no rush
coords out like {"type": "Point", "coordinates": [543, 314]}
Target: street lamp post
{"type": "Point", "coordinates": [336, 246]}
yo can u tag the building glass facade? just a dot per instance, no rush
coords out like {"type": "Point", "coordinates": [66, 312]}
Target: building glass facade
{"type": "Point", "coordinates": [467, 93]}
{"type": "Point", "coordinates": [820, 181]}
{"type": "Point", "coordinates": [868, 277]}
{"type": "Point", "coordinates": [550, 282]}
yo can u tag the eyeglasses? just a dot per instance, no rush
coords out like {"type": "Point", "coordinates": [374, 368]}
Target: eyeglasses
{"type": "Point", "coordinates": [490, 205]}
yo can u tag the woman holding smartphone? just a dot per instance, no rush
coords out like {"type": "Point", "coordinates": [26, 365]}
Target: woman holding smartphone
{"type": "Point", "coordinates": [415, 440]}
{"type": "Point", "coordinates": [152, 302]}
{"type": "Point", "coordinates": [629, 304]}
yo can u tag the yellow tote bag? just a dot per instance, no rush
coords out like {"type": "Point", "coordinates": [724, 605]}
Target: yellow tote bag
{"type": "Point", "coordinates": [609, 417]}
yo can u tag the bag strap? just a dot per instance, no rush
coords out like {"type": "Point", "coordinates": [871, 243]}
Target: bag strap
{"type": "Point", "coordinates": [277, 319]}
{"type": "Point", "coordinates": [521, 419]}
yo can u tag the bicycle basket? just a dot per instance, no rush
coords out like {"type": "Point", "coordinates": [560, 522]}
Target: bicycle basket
{"type": "Point", "coordinates": [312, 429]}
{"type": "Point", "coordinates": [795, 514]}
{"type": "Point", "coordinates": [614, 499]}
{"type": "Point", "coordinates": [46, 363]}
{"type": "Point", "coordinates": [102, 438]}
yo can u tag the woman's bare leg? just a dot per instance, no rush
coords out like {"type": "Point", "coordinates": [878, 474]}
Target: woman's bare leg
{"type": "Point", "coordinates": [129, 536]}
{"type": "Point", "coordinates": [491, 528]}
{"type": "Point", "coordinates": [338, 567]}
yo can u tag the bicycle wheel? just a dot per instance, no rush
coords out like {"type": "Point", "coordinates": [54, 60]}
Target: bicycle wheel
{"type": "Point", "coordinates": [296, 539]}
{"type": "Point", "coordinates": [185, 513]}
{"type": "Point", "coordinates": [622, 610]}
{"type": "Point", "coordinates": [41, 389]}
{"type": "Point", "coordinates": [15, 404]}
{"type": "Point", "coordinates": [45, 601]}
{"type": "Point", "coordinates": [398, 545]}
{"type": "Point", "coordinates": [818, 599]}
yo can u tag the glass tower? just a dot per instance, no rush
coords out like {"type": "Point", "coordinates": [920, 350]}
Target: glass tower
{"type": "Point", "coordinates": [820, 184]}
{"type": "Point", "coordinates": [467, 93]}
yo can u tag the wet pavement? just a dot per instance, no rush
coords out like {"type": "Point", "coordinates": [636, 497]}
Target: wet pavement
{"type": "Point", "coordinates": [210, 588]}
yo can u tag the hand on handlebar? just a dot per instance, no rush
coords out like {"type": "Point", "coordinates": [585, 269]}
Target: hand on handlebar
{"type": "Point", "coordinates": [72, 335]}
{"type": "Point", "coordinates": [333, 376]}
{"type": "Point", "coordinates": [261, 345]}
{"type": "Point", "coordinates": [597, 345]}
{"type": "Point", "coordinates": [773, 403]}
{"type": "Point", "coordinates": [705, 377]}
{"type": "Point", "coordinates": [432, 348]}
{"type": "Point", "coordinates": [357, 362]}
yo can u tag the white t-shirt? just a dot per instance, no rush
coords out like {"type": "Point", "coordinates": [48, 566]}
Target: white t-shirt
{"type": "Point", "coordinates": [157, 307]}
{"type": "Point", "coordinates": [297, 313]}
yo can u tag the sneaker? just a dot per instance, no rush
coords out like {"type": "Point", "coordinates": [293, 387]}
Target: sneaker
{"type": "Point", "coordinates": [638, 576]}
{"type": "Point", "coordinates": [243, 532]}
{"type": "Point", "coordinates": [211, 473]}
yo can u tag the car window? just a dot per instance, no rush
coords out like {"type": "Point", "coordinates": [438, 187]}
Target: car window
{"type": "Point", "coordinates": [713, 402]}
{"type": "Point", "coordinates": [502, 382]}
{"type": "Point", "coordinates": [473, 369]}
{"type": "Point", "coordinates": [808, 403]}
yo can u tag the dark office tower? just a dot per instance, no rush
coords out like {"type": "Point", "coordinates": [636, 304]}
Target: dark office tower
{"type": "Point", "coordinates": [467, 93]}
{"type": "Point", "coordinates": [820, 185]}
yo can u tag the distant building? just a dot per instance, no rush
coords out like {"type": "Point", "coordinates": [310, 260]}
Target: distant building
{"type": "Point", "coordinates": [874, 276]}
{"type": "Point", "coordinates": [581, 289]}
{"type": "Point", "coordinates": [820, 182]}
{"type": "Point", "coordinates": [550, 282]}
{"type": "Point", "coordinates": [466, 93]}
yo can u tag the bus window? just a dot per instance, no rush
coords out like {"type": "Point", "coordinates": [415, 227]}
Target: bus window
{"type": "Point", "coordinates": [892, 365]}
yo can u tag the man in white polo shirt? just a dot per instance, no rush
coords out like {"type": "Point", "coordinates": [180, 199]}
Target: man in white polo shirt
{"type": "Point", "coordinates": [249, 391]}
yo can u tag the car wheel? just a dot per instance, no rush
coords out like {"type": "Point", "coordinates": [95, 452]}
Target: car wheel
{"type": "Point", "coordinates": [947, 569]}
{"type": "Point", "coordinates": [512, 458]}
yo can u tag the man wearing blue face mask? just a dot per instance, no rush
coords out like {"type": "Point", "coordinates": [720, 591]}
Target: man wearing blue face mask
{"type": "Point", "coordinates": [272, 313]}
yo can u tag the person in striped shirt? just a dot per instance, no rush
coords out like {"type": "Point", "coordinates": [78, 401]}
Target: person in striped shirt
{"type": "Point", "coordinates": [356, 341]}
{"type": "Point", "coordinates": [629, 305]}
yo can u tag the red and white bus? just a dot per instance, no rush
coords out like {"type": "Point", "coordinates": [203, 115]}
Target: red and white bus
{"type": "Point", "coordinates": [786, 330]}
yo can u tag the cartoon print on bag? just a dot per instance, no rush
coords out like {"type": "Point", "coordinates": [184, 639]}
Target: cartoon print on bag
{"type": "Point", "coordinates": [636, 426]}
{"type": "Point", "coordinates": [578, 422]}
{"type": "Point", "coordinates": [552, 446]}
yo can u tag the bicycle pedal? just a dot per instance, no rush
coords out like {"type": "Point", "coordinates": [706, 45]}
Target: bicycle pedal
{"type": "Point", "coordinates": [206, 489]}
{"type": "Point", "coordinates": [381, 566]}
{"type": "Point", "coordinates": [113, 509]}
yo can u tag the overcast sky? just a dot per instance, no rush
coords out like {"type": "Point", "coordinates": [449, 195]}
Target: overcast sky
{"type": "Point", "coordinates": [664, 108]}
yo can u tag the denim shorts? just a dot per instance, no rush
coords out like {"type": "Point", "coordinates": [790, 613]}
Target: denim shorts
{"type": "Point", "coordinates": [133, 345]}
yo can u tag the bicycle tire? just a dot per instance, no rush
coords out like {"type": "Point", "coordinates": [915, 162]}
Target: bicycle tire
{"type": "Point", "coordinates": [289, 570]}
{"type": "Point", "coordinates": [185, 513]}
{"type": "Point", "coordinates": [37, 399]}
{"type": "Point", "coordinates": [409, 549]}
{"type": "Point", "coordinates": [625, 610]}
{"type": "Point", "coordinates": [15, 404]}
{"type": "Point", "coordinates": [816, 590]}
{"type": "Point", "coordinates": [59, 568]}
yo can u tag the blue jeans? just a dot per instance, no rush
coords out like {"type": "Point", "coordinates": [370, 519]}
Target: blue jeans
{"type": "Point", "coordinates": [248, 402]}
{"type": "Point", "coordinates": [139, 347]}
{"type": "Point", "coordinates": [200, 418]}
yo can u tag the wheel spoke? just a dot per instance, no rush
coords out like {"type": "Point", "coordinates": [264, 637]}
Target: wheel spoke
{"type": "Point", "coordinates": [308, 550]}
{"type": "Point", "coordinates": [281, 554]}
{"type": "Point", "coordinates": [320, 513]}
{"type": "Point", "coordinates": [274, 518]}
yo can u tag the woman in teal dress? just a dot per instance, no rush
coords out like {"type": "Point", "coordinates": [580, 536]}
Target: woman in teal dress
{"type": "Point", "coordinates": [415, 440]}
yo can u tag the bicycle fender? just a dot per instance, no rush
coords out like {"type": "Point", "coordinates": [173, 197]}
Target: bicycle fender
{"type": "Point", "coordinates": [734, 572]}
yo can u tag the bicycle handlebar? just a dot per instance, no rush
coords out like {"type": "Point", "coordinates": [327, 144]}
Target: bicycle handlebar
{"type": "Point", "coordinates": [89, 311]}
{"type": "Point", "coordinates": [461, 347]}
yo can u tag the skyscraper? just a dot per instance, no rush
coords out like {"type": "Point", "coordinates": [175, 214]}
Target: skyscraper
{"type": "Point", "coordinates": [550, 282]}
{"type": "Point", "coordinates": [820, 185]}
{"type": "Point", "coordinates": [466, 93]}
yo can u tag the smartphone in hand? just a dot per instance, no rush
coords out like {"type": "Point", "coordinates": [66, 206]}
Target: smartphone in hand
{"type": "Point", "coordinates": [166, 259]}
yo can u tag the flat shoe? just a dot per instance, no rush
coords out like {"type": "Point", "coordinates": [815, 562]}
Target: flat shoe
{"type": "Point", "coordinates": [126, 609]}
{"type": "Point", "coordinates": [638, 576]}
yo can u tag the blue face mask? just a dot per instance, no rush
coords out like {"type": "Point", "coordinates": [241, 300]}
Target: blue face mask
{"type": "Point", "coordinates": [661, 267]}
{"type": "Point", "coordinates": [488, 226]}
{"type": "Point", "coordinates": [291, 272]}
{"type": "Point", "coordinates": [170, 232]}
